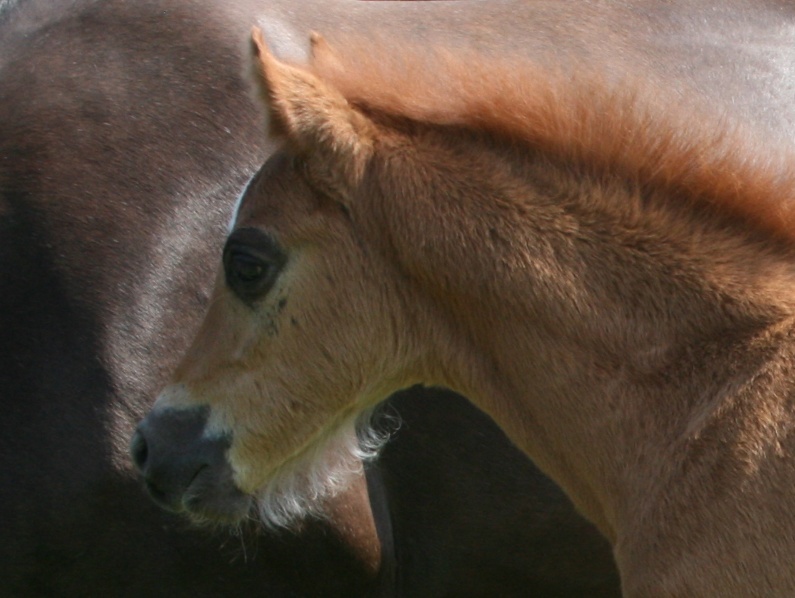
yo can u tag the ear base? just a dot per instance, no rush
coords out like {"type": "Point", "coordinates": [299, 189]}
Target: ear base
{"type": "Point", "coordinates": [311, 115]}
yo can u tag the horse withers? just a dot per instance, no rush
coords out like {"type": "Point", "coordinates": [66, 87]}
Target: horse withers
{"type": "Point", "coordinates": [604, 269]}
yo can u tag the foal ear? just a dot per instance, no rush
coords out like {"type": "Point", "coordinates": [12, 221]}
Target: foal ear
{"type": "Point", "coordinates": [313, 115]}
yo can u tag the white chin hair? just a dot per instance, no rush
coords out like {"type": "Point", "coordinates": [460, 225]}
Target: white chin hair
{"type": "Point", "coordinates": [300, 487]}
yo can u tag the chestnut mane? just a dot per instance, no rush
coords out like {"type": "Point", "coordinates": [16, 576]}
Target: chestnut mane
{"type": "Point", "coordinates": [631, 129]}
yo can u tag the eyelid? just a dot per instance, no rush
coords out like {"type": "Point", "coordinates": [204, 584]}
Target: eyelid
{"type": "Point", "coordinates": [256, 246]}
{"type": "Point", "coordinates": [254, 241]}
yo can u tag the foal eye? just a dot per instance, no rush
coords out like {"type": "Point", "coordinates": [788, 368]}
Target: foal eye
{"type": "Point", "coordinates": [252, 261]}
{"type": "Point", "coordinates": [246, 268]}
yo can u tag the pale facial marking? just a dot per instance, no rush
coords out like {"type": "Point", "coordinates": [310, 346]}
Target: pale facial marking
{"type": "Point", "coordinates": [174, 396]}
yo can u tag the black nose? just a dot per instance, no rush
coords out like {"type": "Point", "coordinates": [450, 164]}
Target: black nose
{"type": "Point", "coordinates": [170, 497]}
{"type": "Point", "coordinates": [184, 469]}
{"type": "Point", "coordinates": [170, 451]}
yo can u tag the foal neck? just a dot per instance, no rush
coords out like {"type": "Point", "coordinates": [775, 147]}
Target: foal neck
{"type": "Point", "coordinates": [593, 319]}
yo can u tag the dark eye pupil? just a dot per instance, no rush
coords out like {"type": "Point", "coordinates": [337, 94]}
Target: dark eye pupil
{"type": "Point", "coordinates": [248, 269]}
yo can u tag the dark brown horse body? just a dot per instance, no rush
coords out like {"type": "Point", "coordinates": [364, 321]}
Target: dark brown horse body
{"type": "Point", "coordinates": [125, 135]}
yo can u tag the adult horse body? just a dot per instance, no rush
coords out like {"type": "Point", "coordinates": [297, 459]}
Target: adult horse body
{"type": "Point", "coordinates": [604, 270]}
{"type": "Point", "coordinates": [126, 132]}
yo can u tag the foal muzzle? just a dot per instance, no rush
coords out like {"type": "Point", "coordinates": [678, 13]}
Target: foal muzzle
{"type": "Point", "coordinates": [184, 470]}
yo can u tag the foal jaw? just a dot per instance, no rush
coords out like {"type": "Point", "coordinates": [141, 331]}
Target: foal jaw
{"type": "Point", "coordinates": [302, 486]}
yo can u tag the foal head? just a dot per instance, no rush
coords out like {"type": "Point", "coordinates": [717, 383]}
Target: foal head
{"type": "Point", "coordinates": [264, 405]}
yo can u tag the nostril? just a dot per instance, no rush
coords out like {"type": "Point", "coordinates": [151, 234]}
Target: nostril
{"type": "Point", "coordinates": [139, 450]}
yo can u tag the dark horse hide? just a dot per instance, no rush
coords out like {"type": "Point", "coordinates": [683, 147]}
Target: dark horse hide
{"type": "Point", "coordinates": [126, 133]}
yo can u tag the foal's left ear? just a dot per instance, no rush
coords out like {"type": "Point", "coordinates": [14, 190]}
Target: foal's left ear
{"type": "Point", "coordinates": [313, 115]}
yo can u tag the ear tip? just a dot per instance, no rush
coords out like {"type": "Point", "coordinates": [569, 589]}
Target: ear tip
{"type": "Point", "coordinates": [319, 46]}
{"type": "Point", "coordinates": [258, 42]}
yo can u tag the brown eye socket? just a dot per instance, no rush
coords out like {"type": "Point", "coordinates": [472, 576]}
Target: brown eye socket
{"type": "Point", "coordinates": [252, 262]}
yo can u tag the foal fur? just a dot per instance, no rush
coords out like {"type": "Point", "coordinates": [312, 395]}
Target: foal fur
{"type": "Point", "coordinates": [300, 488]}
{"type": "Point", "coordinates": [605, 271]}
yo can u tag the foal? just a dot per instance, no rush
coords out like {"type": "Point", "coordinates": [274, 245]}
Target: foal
{"type": "Point", "coordinates": [605, 276]}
